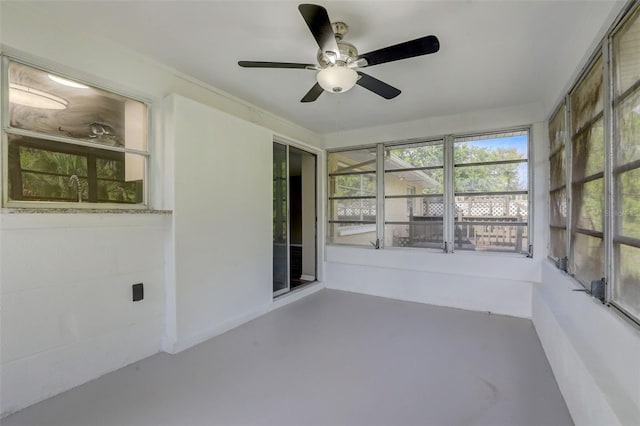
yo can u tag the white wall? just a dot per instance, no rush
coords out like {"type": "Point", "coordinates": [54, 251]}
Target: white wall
{"type": "Point", "coordinates": [65, 279]}
{"type": "Point", "coordinates": [67, 313]}
{"type": "Point", "coordinates": [594, 353]}
{"type": "Point", "coordinates": [222, 220]}
{"type": "Point", "coordinates": [499, 283]}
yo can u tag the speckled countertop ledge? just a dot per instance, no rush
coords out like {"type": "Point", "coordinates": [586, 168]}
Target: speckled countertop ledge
{"type": "Point", "coordinates": [24, 210]}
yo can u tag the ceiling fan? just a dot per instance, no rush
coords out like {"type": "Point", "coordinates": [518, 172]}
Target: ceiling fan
{"type": "Point", "coordinates": [338, 60]}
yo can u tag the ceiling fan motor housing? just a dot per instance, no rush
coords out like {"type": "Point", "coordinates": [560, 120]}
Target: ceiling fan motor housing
{"type": "Point", "coordinates": [347, 50]}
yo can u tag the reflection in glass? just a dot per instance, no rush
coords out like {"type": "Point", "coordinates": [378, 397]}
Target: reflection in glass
{"type": "Point", "coordinates": [625, 55]}
{"type": "Point", "coordinates": [558, 243]}
{"type": "Point", "coordinates": [558, 207]}
{"type": "Point", "coordinates": [587, 257]}
{"type": "Point", "coordinates": [627, 213]}
{"type": "Point", "coordinates": [588, 152]}
{"type": "Point", "coordinates": [588, 205]}
{"type": "Point", "coordinates": [557, 170]}
{"type": "Point", "coordinates": [586, 99]}
{"type": "Point", "coordinates": [627, 288]}
{"type": "Point", "coordinates": [557, 129]}
{"type": "Point", "coordinates": [627, 127]}
{"type": "Point", "coordinates": [42, 102]}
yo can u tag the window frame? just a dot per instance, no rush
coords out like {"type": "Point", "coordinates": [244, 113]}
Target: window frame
{"type": "Point", "coordinates": [424, 142]}
{"type": "Point", "coordinates": [604, 51]}
{"type": "Point", "coordinates": [357, 226]}
{"type": "Point", "coordinates": [78, 144]}
{"type": "Point", "coordinates": [564, 186]}
{"type": "Point", "coordinates": [530, 182]}
{"type": "Point", "coordinates": [448, 195]}
{"type": "Point", "coordinates": [574, 135]}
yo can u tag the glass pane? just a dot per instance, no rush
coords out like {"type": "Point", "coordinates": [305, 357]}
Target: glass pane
{"type": "Point", "coordinates": [47, 103]}
{"type": "Point", "coordinates": [586, 99]}
{"type": "Point", "coordinates": [280, 260]}
{"type": "Point", "coordinates": [426, 234]}
{"type": "Point", "coordinates": [489, 210]}
{"type": "Point", "coordinates": [588, 152]}
{"type": "Point", "coordinates": [491, 178]}
{"type": "Point", "coordinates": [120, 180]}
{"type": "Point", "coordinates": [42, 170]}
{"type": "Point", "coordinates": [627, 126]}
{"type": "Point", "coordinates": [352, 185]}
{"type": "Point", "coordinates": [417, 155]}
{"type": "Point", "coordinates": [558, 207]}
{"type": "Point", "coordinates": [352, 161]}
{"type": "Point", "coordinates": [491, 148]}
{"type": "Point", "coordinates": [502, 208]}
{"type": "Point", "coordinates": [587, 257]}
{"type": "Point", "coordinates": [405, 209]}
{"type": "Point", "coordinates": [357, 234]}
{"type": "Point", "coordinates": [48, 176]}
{"type": "Point", "coordinates": [507, 238]}
{"type": "Point", "coordinates": [558, 243]}
{"type": "Point", "coordinates": [627, 289]}
{"type": "Point", "coordinates": [588, 205]}
{"type": "Point", "coordinates": [626, 55]}
{"type": "Point", "coordinates": [557, 129]}
{"type": "Point", "coordinates": [414, 182]}
{"type": "Point", "coordinates": [353, 210]}
{"type": "Point", "coordinates": [557, 170]}
{"type": "Point", "coordinates": [627, 214]}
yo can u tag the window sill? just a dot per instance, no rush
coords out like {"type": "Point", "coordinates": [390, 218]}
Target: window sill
{"type": "Point", "coordinates": [58, 210]}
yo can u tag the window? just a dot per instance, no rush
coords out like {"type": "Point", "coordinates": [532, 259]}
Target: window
{"type": "Point", "coordinates": [456, 192]}
{"type": "Point", "coordinates": [626, 166]}
{"type": "Point", "coordinates": [557, 185]}
{"type": "Point", "coordinates": [603, 170]}
{"type": "Point", "coordinates": [587, 171]}
{"type": "Point", "coordinates": [68, 142]}
{"type": "Point", "coordinates": [414, 178]}
{"type": "Point", "coordinates": [491, 185]}
{"type": "Point", "coordinates": [352, 196]}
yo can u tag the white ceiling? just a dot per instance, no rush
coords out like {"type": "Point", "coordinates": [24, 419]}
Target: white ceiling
{"type": "Point", "coordinates": [493, 53]}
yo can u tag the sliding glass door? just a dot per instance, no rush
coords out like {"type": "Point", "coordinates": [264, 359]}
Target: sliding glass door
{"type": "Point", "coordinates": [280, 219]}
{"type": "Point", "coordinates": [294, 218]}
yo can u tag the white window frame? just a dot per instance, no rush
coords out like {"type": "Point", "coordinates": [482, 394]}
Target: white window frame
{"type": "Point", "coordinates": [448, 216]}
{"type": "Point", "coordinates": [7, 130]}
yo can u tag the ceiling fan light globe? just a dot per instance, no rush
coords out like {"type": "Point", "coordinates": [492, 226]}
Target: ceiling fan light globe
{"type": "Point", "coordinates": [337, 79]}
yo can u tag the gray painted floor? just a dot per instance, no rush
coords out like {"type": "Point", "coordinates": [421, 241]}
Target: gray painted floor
{"type": "Point", "coordinates": [333, 358]}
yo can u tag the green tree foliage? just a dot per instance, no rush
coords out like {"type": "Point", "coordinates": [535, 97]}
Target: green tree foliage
{"type": "Point", "coordinates": [487, 178]}
{"type": "Point", "coordinates": [46, 176]}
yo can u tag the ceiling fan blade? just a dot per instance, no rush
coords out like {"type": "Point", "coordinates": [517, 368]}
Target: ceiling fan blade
{"type": "Point", "coordinates": [317, 20]}
{"type": "Point", "coordinates": [313, 94]}
{"type": "Point", "coordinates": [260, 64]}
{"type": "Point", "coordinates": [408, 49]}
{"type": "Point", "coordinates": [376, 86]}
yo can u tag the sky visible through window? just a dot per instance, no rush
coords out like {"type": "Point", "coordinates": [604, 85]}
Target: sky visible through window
{"type": "Point", "coordinates": [518, 142]}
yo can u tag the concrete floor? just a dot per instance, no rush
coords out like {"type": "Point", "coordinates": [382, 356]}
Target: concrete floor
{"type": "Point", "coordinates": [332, 358]}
